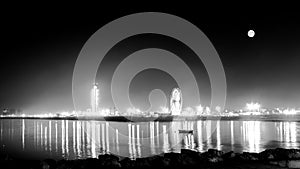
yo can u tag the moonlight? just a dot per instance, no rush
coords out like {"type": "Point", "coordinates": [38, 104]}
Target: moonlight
{"type": "Point", "coordinates": [251, 33]}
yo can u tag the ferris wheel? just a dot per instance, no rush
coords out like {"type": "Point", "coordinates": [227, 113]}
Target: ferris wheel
{"type": "Point", "coordinates": [176, 101]}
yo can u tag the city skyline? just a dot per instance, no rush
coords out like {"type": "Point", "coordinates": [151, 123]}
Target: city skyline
{"type": "Point", "coordinates": [160, 85]}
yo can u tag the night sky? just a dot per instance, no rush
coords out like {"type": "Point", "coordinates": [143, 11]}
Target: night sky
{"type": "Point", "coordinates": [40, 47]}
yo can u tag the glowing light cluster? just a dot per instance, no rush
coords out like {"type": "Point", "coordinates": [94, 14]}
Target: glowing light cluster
{"type": "Point", "coordinates": [253, 106]}
{"type": "Point", "coordinates": [95, 98]}
{"type": "Point", "coordinates": [164, 110]}
{"type": "Point", "coordinates": [199, 109]}
{"type": "Point", "coordinates": [176, 101]}
{"type": "Point", "coordinates": [289, 111]}
{"type": "Point", "coordinates": [133, 110]}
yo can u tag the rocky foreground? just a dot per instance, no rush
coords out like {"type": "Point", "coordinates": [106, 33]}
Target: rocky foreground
{"type": "Point", "coordinates": [271, 158]}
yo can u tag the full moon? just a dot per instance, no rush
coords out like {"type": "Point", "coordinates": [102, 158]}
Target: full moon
{"type": "Point", "coordinates": [251, 33]}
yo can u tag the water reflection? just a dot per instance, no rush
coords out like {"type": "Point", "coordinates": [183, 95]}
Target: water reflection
{"type": "Point", "coordinates": [82, 139]}
{"type": "Point", "coordinates": [251, 132]}
{"type": "Point", "coordinates": [287, 132]}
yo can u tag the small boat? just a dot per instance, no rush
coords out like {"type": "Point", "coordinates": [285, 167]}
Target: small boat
{"type": "Point", "coordinates": [186, 131]}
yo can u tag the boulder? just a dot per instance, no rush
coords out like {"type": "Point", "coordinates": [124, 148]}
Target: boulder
{"type": "Point", "coordinates": [215, 152]}
{"type": "Point", "coordinates": [212, 156]}
{"type": "Point", "coordinates": [159, 161]}
{"type": "Point", "coordinates": [109, 161]}
{"type": "Point", "coordinates": [142, 163]}
{"type": "Point", "coordinates": [62, 164]}
{"type": "Point", "coordinates": [189, 157]}
{"type": "Point", "coordinates": [92, 163]}
{"type": "Point", "coordinates": [280, 154]}
{"type": "Point", "coordinates": [174, 159]}
{"type": "Point", "coordinates": [229, 155]}
{"type": "Point", "coordinates": [293, 164]}
{"type": "Point", "coordinates": [190, 153]}
{"type": "Point", "coordinates": [293, 154]}
{"type": "Point", "coordinates": [166, 163]}
{"type": "Point", "coordinates": [248, 156]}
{"type": "Point", "coordinates": [48, 164]}
{"type": "Point", "coordinates": [127, 163]}
{"type": "Point", "coordinates": [108, 157]}
{"type": "Point", "coordinates": [45, 165]}
{"type": "Point", "coordinates": [282, 163]}
{"type": "Point", "coordinates": [267, 155]}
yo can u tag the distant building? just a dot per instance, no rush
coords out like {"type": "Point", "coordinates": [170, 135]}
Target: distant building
{"type": "Point", "coordinates": [5, 112]}
{"type": "Point", "coordinates": [199, 110]}
{"type": "Point", "coordinates": [95, 94]}
{"type": "Point", "coordinates": [176, 102]}
{"type": "Point", "coordinates": [10, 111]}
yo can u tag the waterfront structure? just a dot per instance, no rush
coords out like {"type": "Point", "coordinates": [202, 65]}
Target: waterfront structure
{"type": "Point", "coordinates": [95, 98]}
{"type": "Point", "coordinates": [252, 109]}
{"type": "Point", "coordinates": [176, 101]}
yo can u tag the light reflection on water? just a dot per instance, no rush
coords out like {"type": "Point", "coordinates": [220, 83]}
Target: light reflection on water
{"type": "Point", "coordinates": [82, 139]}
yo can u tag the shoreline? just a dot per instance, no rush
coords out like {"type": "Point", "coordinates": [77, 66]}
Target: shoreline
{"type": "Point", "coordinates": [270, 158]}
{"type": "Point", "coordinates": [271, 118]}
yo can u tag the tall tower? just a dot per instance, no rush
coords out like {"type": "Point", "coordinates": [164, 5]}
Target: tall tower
{"type": "Point", "coordinates": [95, 98]}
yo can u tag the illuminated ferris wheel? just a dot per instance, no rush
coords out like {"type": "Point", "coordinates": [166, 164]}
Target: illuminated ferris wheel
{"type": "Point", "coordinates": [176, 101]}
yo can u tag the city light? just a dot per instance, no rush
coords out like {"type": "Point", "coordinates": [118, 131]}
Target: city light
{"type": "Point", "coordinates": [174, 108]}
{"type": "Point", "coordinates": [133, 111]}
{"type": "Point", "coordinates": [289, 111]}
{"type": "Point", "coordinates": [188, 111]}
{"type": "Point", "coordinates": [164, 110]}
{"type": "Point", "coordinates": [218, 109]}
{"type": "Point", "coordinates": [95, 98]}
{"type": "Point", "coordinates": [253, 106]}
{"type": "Point", "coordinates": [199, 109]}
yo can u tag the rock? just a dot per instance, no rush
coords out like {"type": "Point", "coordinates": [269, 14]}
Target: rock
{"type": "Point", "coordinates": [62, 164]}
{"type": "Point", "coordinates": [215, 159]}
{"type": "Point", "coordinates": [175, 159]}
{"type": "Point", "coordinates": [189, 160]}
{"type": "Point", "coordinates": [159, 161]}
{"type": "Point", "coordinates": [282, 163]}
{"type": "Point", "coordinates": [189, 157]}
{"type": "Point", "coordinates": [249, 156]}
{"type": "Point", "coordinates": [112, 164]}
{"type": "Point", "coordinates": [229, 155]}
{"type": "Point", "coordinates": [212, 156]}
{"type": "Point", "coordinates": [48, 164]}
{"type": "Point", "coordinates": [186, 159]}
{"type": "Point", "coordinates": [273, 162]}
{"type": "Point", "coordinates": [280, 154]}
{"type": "Point", "coordinates": [109, 160]}
{"type": "Point", "coordinates": [127, 163]}
{"type": "Point", "coordinates": [293, 154]}
{"type": "Point", "coordinates": [293, 164]}
{"type": "Point", "coordinates": [45, 165]}
{"type": "Point", "coordinates": [215, 152]}
{"type": "Point", "coordinates": [166, 162]}
{"type": "Point", "coordinates": [108, 157]}
{"type": "Point", "coordinates": [267, 155]}
{"type": "Point", "coordinates": [91, 163]}
{"type": "Point", "coordinates": [142, 163]}
{"type": "Point", "coordinates": [190, 153]}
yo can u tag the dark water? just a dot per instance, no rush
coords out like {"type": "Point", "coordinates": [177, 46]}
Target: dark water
{"type": "Point", "coordinates": [69, 139]}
